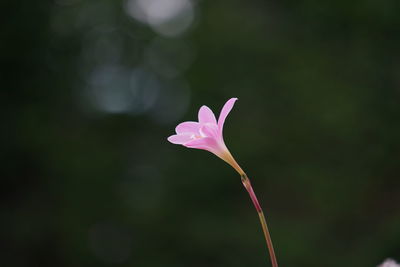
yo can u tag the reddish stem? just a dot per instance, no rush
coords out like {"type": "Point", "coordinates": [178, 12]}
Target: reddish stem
{"type": "Point", "coordinates": [249, 188]}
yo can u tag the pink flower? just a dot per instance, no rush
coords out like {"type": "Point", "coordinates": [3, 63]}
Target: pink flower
{"type": "Point", "coordinates": [206, 134]}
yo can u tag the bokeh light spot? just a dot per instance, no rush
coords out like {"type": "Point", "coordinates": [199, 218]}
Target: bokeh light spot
{"type": "Point", "coordinates": [166, 17]}
{"type": "Point", "coordinates": [114, 89]}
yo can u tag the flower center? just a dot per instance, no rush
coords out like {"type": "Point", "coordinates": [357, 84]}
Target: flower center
{"type": "Point", "coordinates": [193, 136]}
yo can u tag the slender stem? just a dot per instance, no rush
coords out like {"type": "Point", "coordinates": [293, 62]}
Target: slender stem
{"type": "Point", "coordinates": [249, 188]}
{"type": "Point", "coordinates": [246, 183]}
{"type": "Point", "coordinates": [268, 239]}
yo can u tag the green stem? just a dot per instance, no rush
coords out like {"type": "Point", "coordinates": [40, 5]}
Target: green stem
{"type": "Point", "coordinates": [249, 188]}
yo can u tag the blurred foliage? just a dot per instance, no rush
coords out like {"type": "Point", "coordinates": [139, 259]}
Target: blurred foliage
{"type": "Point", "coordinates": [91, 90]}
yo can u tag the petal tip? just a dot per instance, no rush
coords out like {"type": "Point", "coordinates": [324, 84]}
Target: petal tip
{"type": "Point", "coordinates": [206, 115]}
{"type": "Point", "coordinates": [170, 138]}
{"type": "Point", "coordinates": [225, 111]}
{"type": "Point", "coordinates": [233, 99]}
{"type": "Point", "coordinates": [204, 107]}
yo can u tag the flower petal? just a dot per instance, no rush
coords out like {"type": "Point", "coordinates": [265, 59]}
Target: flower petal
{"type": "Point", "coordinates": [207, 143]}
{"type": "Point", "coordinates": [224, 112]}
{"type": "Point", "coordinates": [180, 139]}
{"type": "Point", "coordinates": [210, 144]}
{"type": "Point", "coordinates": [210, 130]}
{"type": "Point", "coordinates": [188, 127]}
{"type": "Point", "coordinates": [206, 115]}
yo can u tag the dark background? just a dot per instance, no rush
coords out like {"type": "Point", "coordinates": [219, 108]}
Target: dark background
{"type": "Point", "coordinates": [91, 89]}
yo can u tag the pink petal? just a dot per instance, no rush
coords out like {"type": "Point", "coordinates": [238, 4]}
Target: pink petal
{"type": "Point", "coordinates": [224, 112]}
{"type": "Point", "coordinates": [188, 127]}
{"type": "Point", "coordinates": [180, 139]}
{"type": "Point", "coordinates": [210, 130]}
{"type": "Point", "coordinates": [206, 115]}
{"type": "Point", "coordinates": [206, 143]}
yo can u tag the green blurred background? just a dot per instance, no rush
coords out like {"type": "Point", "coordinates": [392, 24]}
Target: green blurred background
{"type": "Point", "coordinates": [91, 89]}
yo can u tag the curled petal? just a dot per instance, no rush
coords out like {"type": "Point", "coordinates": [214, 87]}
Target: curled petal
{"type": "Point", "coordinates": [188, 127]}
{"type": "Point", "coordinates": [180, 139]}
{"type": "Point", "coordinates": [206, 115]}
{"type": "Point", "coordinates": [224, 112]}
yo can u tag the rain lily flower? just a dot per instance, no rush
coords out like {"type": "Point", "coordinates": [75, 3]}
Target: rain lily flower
{"type": "Point", "coordinates": [206, 134]}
